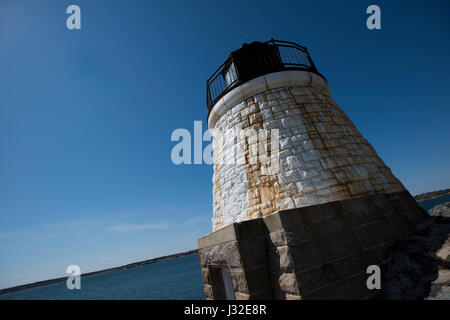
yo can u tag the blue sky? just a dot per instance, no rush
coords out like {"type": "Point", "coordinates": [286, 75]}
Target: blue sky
{"type": "Point", "coordinates": [86, 116]}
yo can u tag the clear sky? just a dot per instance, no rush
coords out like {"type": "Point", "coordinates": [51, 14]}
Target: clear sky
{"type": "Point", "coordinates": [86, 115]}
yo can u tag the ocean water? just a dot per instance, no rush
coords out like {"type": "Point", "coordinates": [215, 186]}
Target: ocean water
{"type": "Point", "coordinates": [428, 204]}
{"type": "Point", "coordinates": [178, 278]}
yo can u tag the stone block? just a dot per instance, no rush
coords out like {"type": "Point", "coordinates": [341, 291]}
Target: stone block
{"type": "Point", "coordinates": [405, 205]}
{"type": "Point", "coordinates": [307, 200]}
{"type": "Point", "coordinates": [325, 228]}
{"type": "Point", "coordinates": [285, 260]}
{"type": "Point", "coordinates": [277, 238]}
{"type": "Point", "coordinates": [292, 217]}
{"type": "Point", "coordinates": [307, 255]}
{"type": "Point", "coordinates": [308, 173]}
{"type": "Point", "coordinates": [223, 235]}
{"type": "Point", "coordinates": [207, 289]}
{"type": "Point", "coordinates": [288, 283]}
{"type": "Point", "coordinates": [400, 222]}
{"type": "Point", "coordinates": [241, 296]}
{"type": "Point", "coordinates": [355, 288]}
{"type": "Point", "coordinates": [288, 177]}
{"type": "Point", "coordinates": [300, 91]}
{"type": "Point", "coordinates": [239, 280]}
{"type": "Point", "coordinates": [273, 261]}
{"type": "Point", "coordinates": [273, 222]}
{"type": "Point", "coordinates": [253, 252]}
{"type": "Point", "coordinates": [343, 268]}
{"type": "Point", "coordinates": [278, 294]}
{"type": "Point", "coordinates": [205, 276]}
{"type": "Point", "coordinates": [227, 253]}
{"type": "Point", "coordinates": [329, 210]}
{"type": "Point", "coordinates": [375, 233]}
{"type": "Point", "coordinates": [273, 96]}
{"type": "Point", "coordinates": [374, 255]}
{"type": "Point", "coordinates": [321, 184]}
{"type": "Point", "coordinates": [310, 155]}
{"type": "Point", "coordinates": [337, 246]}
{"type": "Point", "coordinates": [296, 236]}
{"type": "Point", "coordinates": [261, 295]}
{"type": "Point", "coordinates": [348, 289]}
{"type": "Point", "coordinates": [310, 280]}
{"type": "Point", "coordinates": [293, 162]}
{"type": "Point", "coordinates": [356, 204]}
{"type": "Point", "coordinates": [250, 228]}
{"type": "Point", "coordinates": [358, 217]}
{"type": "Point", "coordinates": [258, 280]}
{"type": "Point", "coordinates": [305, 186]}
{"type": "Point", "coordinates": [314, 213]}
{"type": "Point", "coordinates": [302, 99]}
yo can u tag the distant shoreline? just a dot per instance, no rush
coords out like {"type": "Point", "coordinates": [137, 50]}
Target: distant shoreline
{"type": "Point", "coordinates": [432, 195]}
{"type": "Point", "coordinates": [418, 198]}
{"type": "Point", "coordinates": [130, 265]}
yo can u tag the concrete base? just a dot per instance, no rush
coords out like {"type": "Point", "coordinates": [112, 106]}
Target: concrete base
{"type": "Point", "coordinates": [315, 252]}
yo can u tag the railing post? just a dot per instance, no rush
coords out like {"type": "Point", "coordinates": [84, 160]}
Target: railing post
{"type": "Point", "coordinates": [311, 62]}
{"type": "Point", "coordinates": [208, 96]}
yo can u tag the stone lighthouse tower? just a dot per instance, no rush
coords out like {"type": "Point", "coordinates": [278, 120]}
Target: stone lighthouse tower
{"type": "Point", "coordinates": [308, 222]}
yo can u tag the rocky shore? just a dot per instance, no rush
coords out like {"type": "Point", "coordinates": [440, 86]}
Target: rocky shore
{"type": "Point", "coordinates": [432, 195]}
{"type": "Point", "coordinates": [418, 266]}
{"type": "Point", "coordinates": [441, 210]}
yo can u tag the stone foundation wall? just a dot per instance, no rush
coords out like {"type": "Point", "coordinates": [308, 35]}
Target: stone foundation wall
{"type": "Point", "coordinates": [322, 158]}
{"type": "Point", "coordinates": [242, 249]}
{"type": "Point", "coordinates": [314, 252]}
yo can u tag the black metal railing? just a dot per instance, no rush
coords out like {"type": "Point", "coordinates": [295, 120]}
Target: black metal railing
{"type": "Point", "coordinates": [254, 60]}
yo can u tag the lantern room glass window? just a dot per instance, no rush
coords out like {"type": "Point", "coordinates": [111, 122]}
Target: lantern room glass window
{"type": "Point", "coordinates": [230, 75]}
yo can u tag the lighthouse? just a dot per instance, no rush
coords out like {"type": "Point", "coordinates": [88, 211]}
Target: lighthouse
{"type": "Point", "coordinates": [302, 203]}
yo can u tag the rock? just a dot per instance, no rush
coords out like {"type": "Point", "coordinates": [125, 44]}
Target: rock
{"type": "Point", "coordinates": [416, 266]}
{"type": "Point", "coordinates": [431, 195]}
{"type": "Point", "coordinates": [441, 292]}
{"type": "Point", "coordinates": [441, 210]}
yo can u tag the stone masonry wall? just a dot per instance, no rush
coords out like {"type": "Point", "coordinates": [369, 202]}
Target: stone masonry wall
{"type": "Point", "coordinates": [312, 253]}
{"type": "Point", "coordinates": [241, 248]}
{"type": "Point", "coordinates": [322, 252]}
{"type": "Point", "coordinates": [322, 157]}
